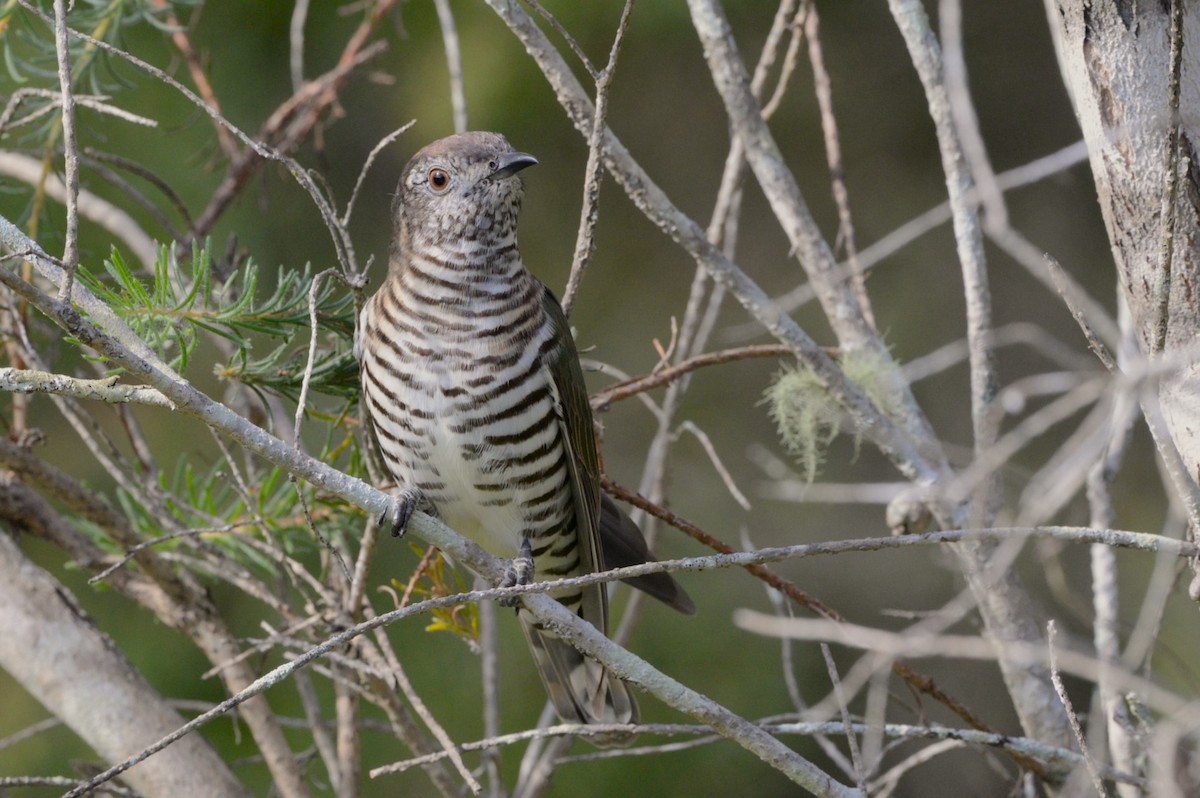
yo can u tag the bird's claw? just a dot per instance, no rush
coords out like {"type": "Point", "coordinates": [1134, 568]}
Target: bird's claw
{"type": "Point", "coordinates": [520, 572]}
{"type": "Point", "coordinates": [404, 504]}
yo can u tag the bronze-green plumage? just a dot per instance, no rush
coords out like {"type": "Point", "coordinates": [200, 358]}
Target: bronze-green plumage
{"type": "Point", "coordinates": [474, 389]}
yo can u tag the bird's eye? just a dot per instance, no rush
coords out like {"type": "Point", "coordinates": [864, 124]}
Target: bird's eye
{"type": "Point", "coordinates": [439, 179]}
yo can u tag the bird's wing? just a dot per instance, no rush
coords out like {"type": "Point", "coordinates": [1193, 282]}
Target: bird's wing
{"type": "Point", "coordinates": [622, 544]}
{"type": "Point", "coordinates": [583, 465]}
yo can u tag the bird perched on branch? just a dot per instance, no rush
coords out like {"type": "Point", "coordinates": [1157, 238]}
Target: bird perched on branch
{"type": "Point", "coordinates": [474, 389]}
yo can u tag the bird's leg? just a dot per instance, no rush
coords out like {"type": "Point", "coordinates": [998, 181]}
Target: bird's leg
{"type": "Point", "coordinates": [404, 503]}
{"type": "Point", "coordinates": [520, 571]}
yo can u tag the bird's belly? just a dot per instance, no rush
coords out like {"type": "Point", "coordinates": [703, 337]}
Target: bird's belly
{"type": "Point", "coordinates": [482, 444]}
{"type": "Point", "coordinates": [490, 520]}
{"type": "Point", "coordinates": [476, 487]}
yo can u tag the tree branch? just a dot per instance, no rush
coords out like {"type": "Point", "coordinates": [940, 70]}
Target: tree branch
{"type": "Point", "coordinates": [79, 674]}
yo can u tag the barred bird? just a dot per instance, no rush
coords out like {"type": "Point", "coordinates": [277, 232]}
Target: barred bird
{"type": "Point", "coordinates": [474, 389]}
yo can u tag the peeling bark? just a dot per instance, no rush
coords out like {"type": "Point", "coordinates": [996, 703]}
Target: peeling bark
{"type": "Point", "coordinates": [1116, 59]}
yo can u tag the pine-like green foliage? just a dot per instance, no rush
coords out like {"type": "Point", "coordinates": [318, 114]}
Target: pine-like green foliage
{"type": "Point", "coordinates": [28, 52]}
{"type": "Point", "coordinates": [808, 419]}
{"type": "Point", "coordinates": [184, 310]}
{"type": "Point", "coordinates": [173, 311]}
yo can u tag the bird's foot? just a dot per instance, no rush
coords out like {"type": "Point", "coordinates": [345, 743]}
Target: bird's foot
{"type": "Point", "coordinates": [404, 504]}
{"type": "Point", "coordinates": [520, 572]}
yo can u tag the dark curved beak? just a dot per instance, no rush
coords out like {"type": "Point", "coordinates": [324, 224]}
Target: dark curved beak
{"type": "Point", "coordinates": [510, 163]}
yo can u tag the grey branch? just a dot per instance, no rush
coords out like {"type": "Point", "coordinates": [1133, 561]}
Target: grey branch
{"type": "Point", "coordinates": [50, 647]}
{"type": "Point", "coordinates": [106, 390]}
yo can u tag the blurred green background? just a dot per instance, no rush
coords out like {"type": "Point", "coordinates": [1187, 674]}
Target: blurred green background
{"type": "Point", "coordinates": [666, 111]}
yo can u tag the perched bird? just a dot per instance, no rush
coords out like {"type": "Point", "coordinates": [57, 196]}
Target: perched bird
{"type": "Point", "coordinates": [473, 386]}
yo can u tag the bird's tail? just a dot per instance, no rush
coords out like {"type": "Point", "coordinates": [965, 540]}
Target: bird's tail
{"type": "Point", "coordinates": [581, 689]}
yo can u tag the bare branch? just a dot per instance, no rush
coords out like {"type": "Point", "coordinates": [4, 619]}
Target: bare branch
{"type": "Point", "coordinates": [635, 385]}
{"type": "Point", "coordinates": [458, 95]}
{"type": "Point", "coordinates": [1171, 170]}
{"type": "Point", "coordinates": [585, 239]}
{"type": "Point", "coordinates": [70, 146]}
{"type": "Point", "coordinates": [385, 141]}
{"type": "Point", "coordinates": [823, 87]}
{"type": "Point", "coordinates": [909, 645]}
{"type": "Point", "coordinates": [1058, 760]}
{"type": "Point", "coordinates": [56, 651]}
{"type": "Point", "coordinates": [1061, 689]}
{"type": "Point", "coordinates": [106, 390]}
{"type": "Point", "coordinates": [296, 44]}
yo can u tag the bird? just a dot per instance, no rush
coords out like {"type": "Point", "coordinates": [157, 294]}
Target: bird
{"type": "Point", "coordinates": [473, 387]}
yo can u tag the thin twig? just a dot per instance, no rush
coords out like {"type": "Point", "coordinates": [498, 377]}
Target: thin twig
{"type": "Point", "coordinates": [1061, 689]}
{"type": "Point", "coordinates": [32, 730]}
{"type": "Point", "coordinates": [1105, 597]}
{"type": "Point", "coordinates": [962, 109]}
{"type": "Point", "coordinates": [790, 58]}
{"type": "Point", "coordinates": [1059, 761]}
{"type": "Point", "coordinates": [322, 739]}
{"type": "Point", "coordinates": [385, 141]}
{"type": "Point", "coordinates": [585, 239]}
{"type": "Point", "coordinates": [95, 102]}
{"type": "Point", "coordinates": [489, 675]}
{"type": "Point", "coordinates": [179, 37]}
{"type": "Point", "coordinates": [823, 88]}
{"type": "Point", "coordinates": [715, 459]}
{"type": "Point", "coordinates": [878, 252]}
{"type": "Point", "coordinates": [356, 594]}
{"type": "Point", "coordinates": [458, 94]}
{"type": "Point", "coordinates": [860, 773]}
{"type": "Point", "coordinates": [296, 44]}
{"type": "Point", "coordinates": [1166, 243]}
{"type": "Point", "coordinates": [439, 733]}
{"type": "Point", "coordinates": [604, 398]}
{"type": "Point", "coordinates": [567, 37]}
{"type": "Point", "coordinates": [106, 390]}
{"type": "Point", "coordinates": [1097, 346]}
{"type": "Point", "coordinates": [70, 147]}
{"type": "Point", "coordinates": [349, 742]}
{"type": "Point", "coordinates": [417, 573]}
{"type": "Point", "coordinates": [801, 597]}
{"type": "Point", "coordinates": [188, 533]}
{"type": "Point", "coordinates": [130, 165]}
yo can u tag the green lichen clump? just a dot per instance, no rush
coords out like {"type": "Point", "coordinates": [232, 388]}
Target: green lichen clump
{"type": "Point", "coordinates": [808, 418]}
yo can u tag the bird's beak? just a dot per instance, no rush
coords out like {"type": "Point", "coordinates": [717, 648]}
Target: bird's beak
{"type": "Point", "coordinates": [510, 163]}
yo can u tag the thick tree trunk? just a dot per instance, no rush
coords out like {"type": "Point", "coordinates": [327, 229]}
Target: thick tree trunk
{"type": "Point", "coordinates": [1116, 58]}
{"type": "Point", "coordinates": [80, 676]}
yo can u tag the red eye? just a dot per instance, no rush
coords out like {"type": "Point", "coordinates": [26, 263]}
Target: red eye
{"type": "Point", "coordinates": [439, 179]}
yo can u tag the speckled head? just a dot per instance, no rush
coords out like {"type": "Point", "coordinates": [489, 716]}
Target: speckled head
{"type": "Point", "coordinates": [459, 193]}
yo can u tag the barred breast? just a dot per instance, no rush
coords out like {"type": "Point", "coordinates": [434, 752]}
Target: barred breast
{"type": "Point", "coordinates": [464, 408]}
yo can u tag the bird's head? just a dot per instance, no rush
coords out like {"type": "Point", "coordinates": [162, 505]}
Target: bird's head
{"type": "Point", "coordinates": [461, 191]}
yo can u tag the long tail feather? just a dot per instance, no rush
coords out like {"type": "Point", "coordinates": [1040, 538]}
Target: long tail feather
{"type": "Point", "coordinates": [581, 689]}
{"type": "Point", "coordinates": [622, 544]}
